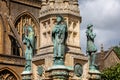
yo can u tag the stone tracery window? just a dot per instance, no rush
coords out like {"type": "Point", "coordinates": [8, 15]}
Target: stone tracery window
{"type": "Point", "coordinates": [72, 31]}
{"type": "Point", "coordinates": [7, 75]}
{"type": "Point", "coordinates": [20, 23]}
{"type": "Point", "coordinates": [46, 32]}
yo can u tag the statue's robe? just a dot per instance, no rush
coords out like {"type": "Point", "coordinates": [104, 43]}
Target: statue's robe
{"type": "Point", "coordinates": [90, 42]}
{"type": "Point", "coordinates": [59, 35]}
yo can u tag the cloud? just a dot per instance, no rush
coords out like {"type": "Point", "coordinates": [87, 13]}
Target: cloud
{"type": "Point", "coordinates": [105, 16]}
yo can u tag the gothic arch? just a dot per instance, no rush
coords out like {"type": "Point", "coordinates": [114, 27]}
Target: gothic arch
{"type": "Point", "coordinates": [8, 74]}
{"type": "Point", "coordinates": [20, 21]}
{"type": "Point", "coordinates": [29, 14]}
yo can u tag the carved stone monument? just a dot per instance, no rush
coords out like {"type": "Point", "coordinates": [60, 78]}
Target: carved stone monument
{"type": "Point", "coordinates": [91, 50]}
{"type": "Point", "coordinates": [28, 40]}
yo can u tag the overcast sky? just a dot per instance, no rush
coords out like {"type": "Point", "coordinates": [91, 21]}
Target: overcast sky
{"type": "Point", "coordinates": [105, 16]}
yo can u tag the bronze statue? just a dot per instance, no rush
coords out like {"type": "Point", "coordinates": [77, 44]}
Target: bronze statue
{"type": "Point", "coordinates": [59, 36]}
{"type": "Point", "coordinates": [29, 41]}
{"type": "Point", "coordinates": [91, 48]}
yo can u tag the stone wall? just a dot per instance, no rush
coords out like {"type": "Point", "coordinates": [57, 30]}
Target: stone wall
{"type": "Point", "coordinates": [16, 9]}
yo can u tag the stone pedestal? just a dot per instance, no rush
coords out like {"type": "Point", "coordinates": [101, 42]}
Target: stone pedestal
{"type": "Point", "coordinates": [94, 75]}
{"type": "Point", "coordinates": [58, 72]}
{"type": "Point", "coordinates": [27, 75]}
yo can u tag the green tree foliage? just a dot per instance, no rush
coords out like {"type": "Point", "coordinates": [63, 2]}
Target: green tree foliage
{"type": "Point", "coordinates": [112, 73]}
{"type": "Point", "coordinates": [117, 50]}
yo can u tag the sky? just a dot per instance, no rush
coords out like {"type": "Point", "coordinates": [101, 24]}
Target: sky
{"type": "Point", "coordinates": [105, 16]}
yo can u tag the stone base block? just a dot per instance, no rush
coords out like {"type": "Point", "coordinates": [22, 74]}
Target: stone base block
{"type": "Point", "coordinates": [58, 72]}
{"type": "Point", "coordinates": [94, 75]}
{"type": "Point", "coordinates": [27, 75]}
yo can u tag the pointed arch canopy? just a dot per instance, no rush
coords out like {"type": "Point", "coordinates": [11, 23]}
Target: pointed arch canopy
{"type": "Point", "coordinates": [27, 15]}
{"type": "Point", "coordinates": [20, 21]}
{"type": "Point", "coordinates": [8, 74]}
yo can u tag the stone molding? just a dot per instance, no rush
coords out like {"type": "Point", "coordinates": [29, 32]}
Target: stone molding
{"type": "Point", "coordinates": [69, 49]}
{"type": "Point", "coordinates": [58, 8]}
{"type": "Point", "coordinates": [11, 60]}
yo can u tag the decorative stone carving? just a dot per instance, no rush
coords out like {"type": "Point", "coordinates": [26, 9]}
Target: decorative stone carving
{"type": "Point", "coordinates": [78, 70]}
{"type": "Point", "coordinates": [21, 22]}
{"type": "Point", "coordinates": [55, 9]}
{"type": "Point", "coordinates": [40, 70]}
{"type": "Point", "coordinates": [7, 75]}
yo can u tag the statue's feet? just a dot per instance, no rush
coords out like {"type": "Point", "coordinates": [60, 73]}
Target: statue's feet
{"type": "Point", "coordinates": [93, 69]}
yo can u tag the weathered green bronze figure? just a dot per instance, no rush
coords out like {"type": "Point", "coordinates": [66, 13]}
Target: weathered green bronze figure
{"type": "Point", "coordinates": [59, 36]}
{"type": "Point", "coordinates": [91, 48]}
{"type": "Point", "coordinates": [28, 40]}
